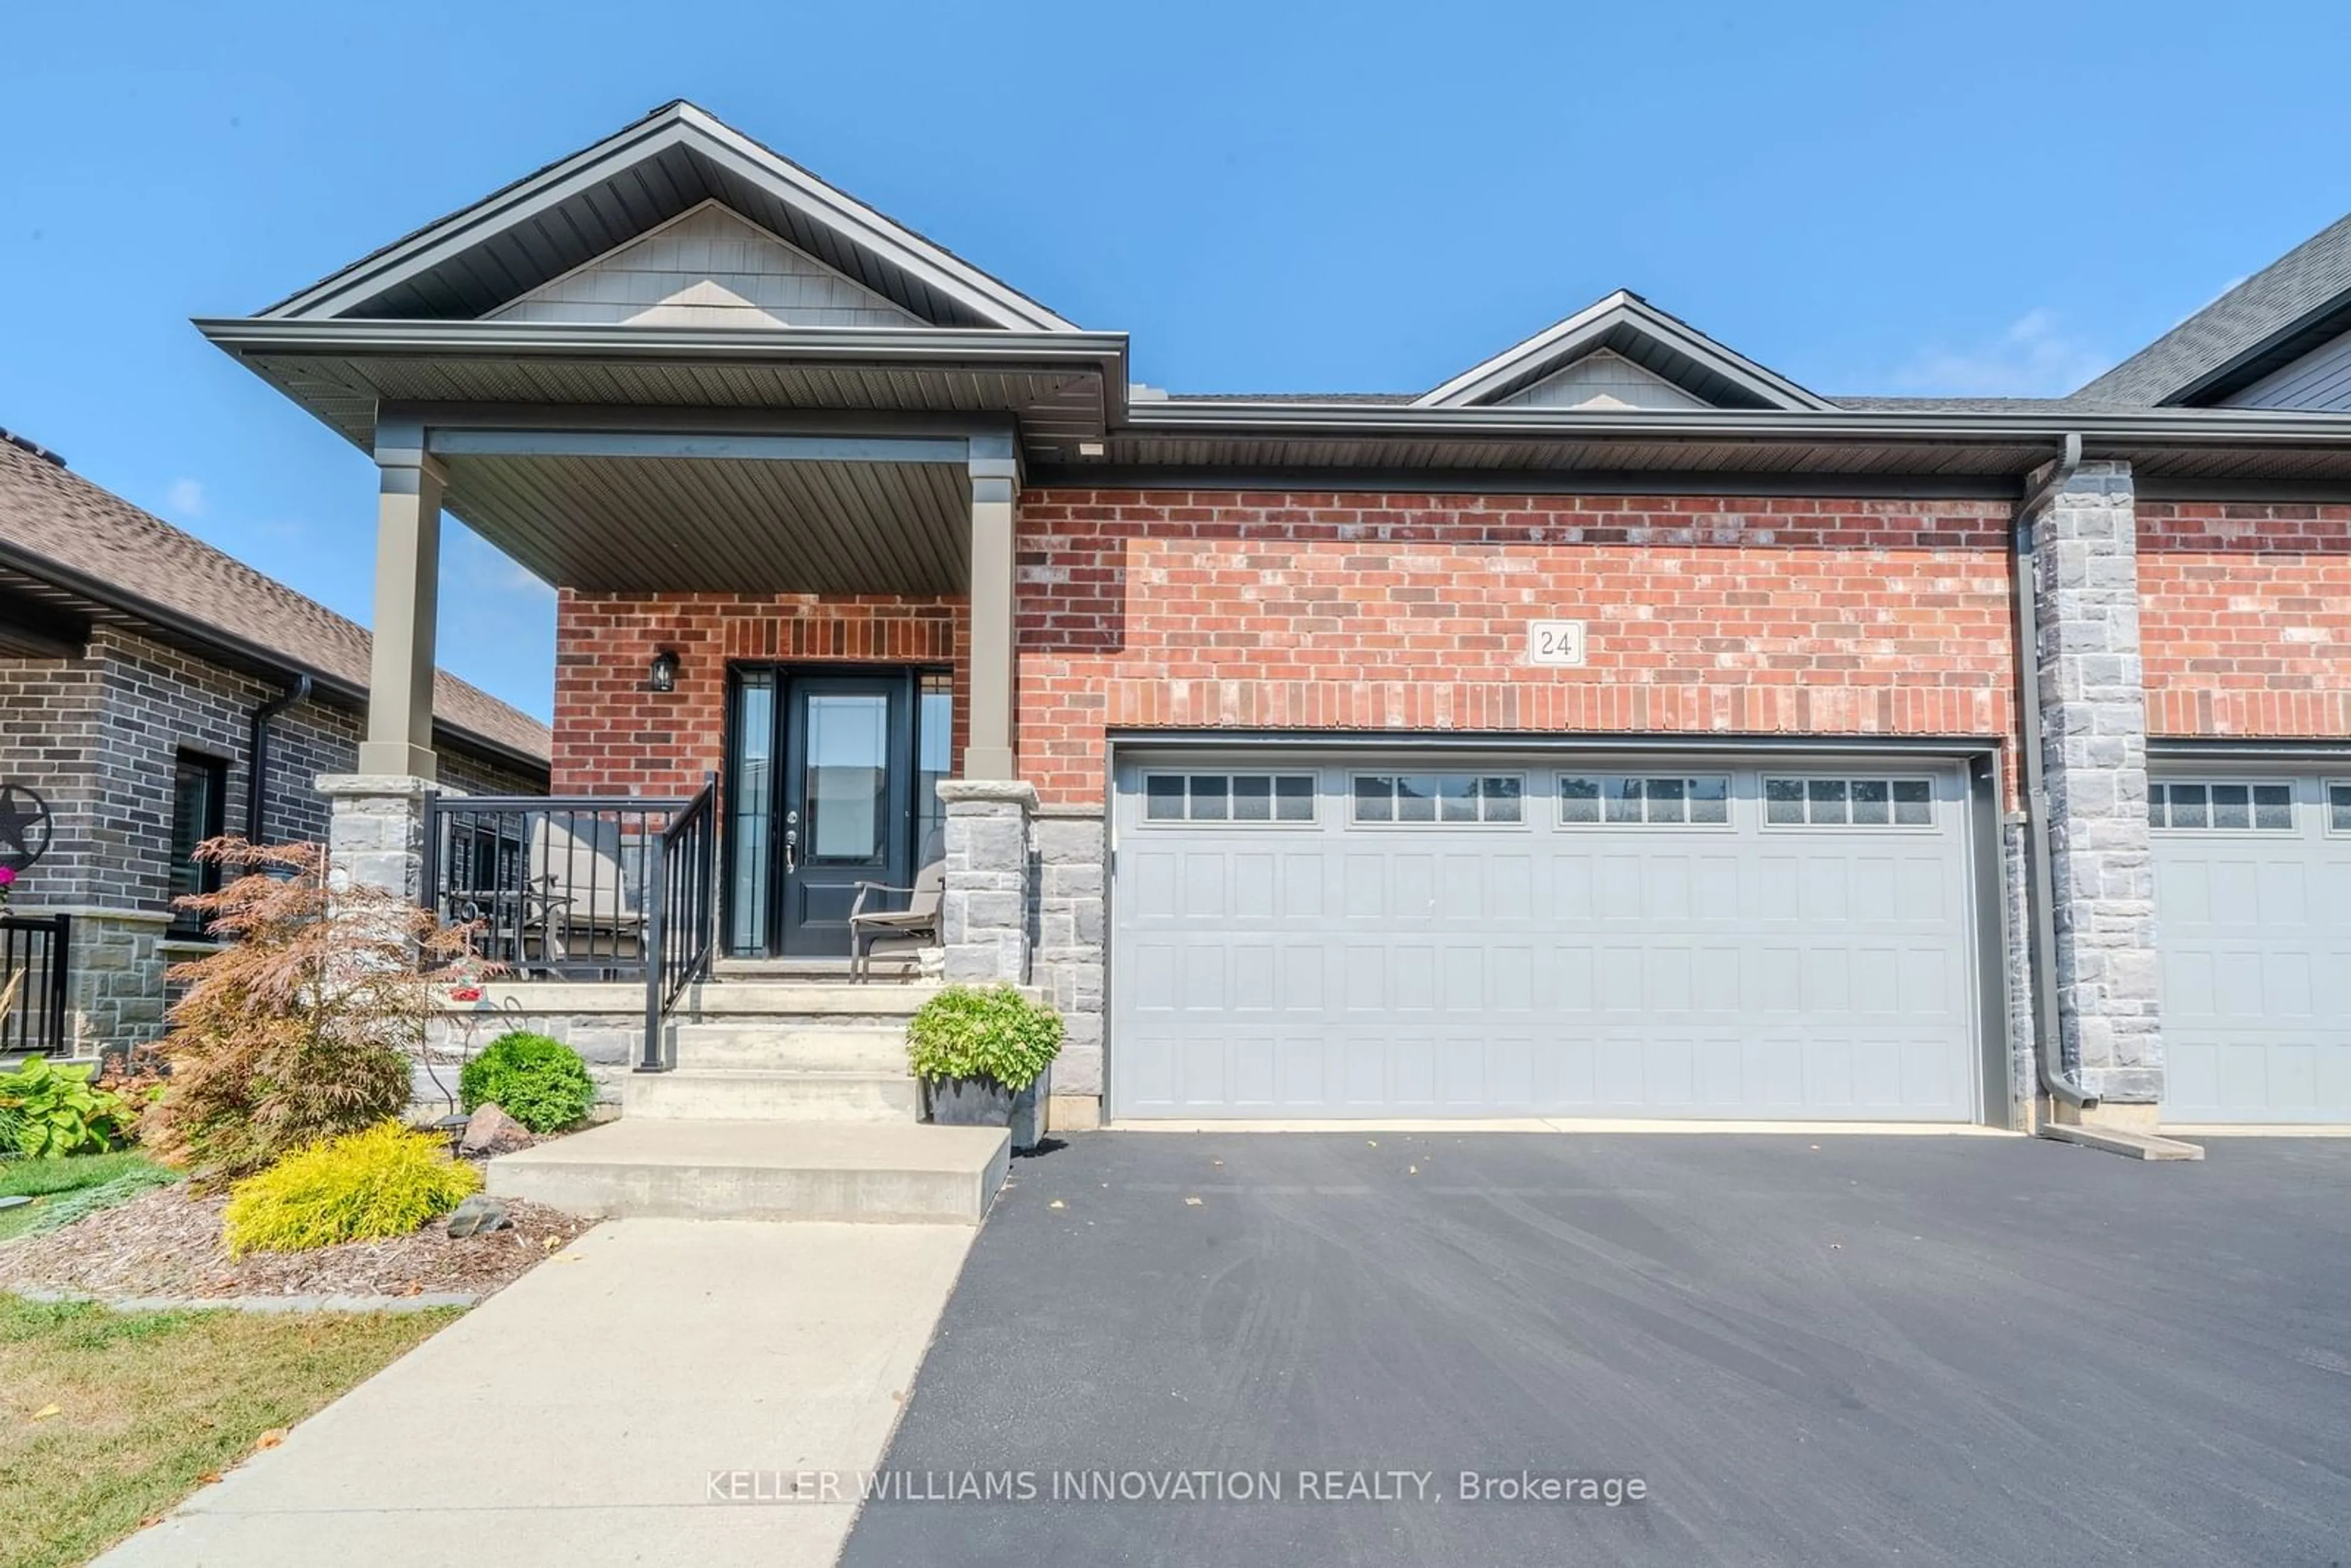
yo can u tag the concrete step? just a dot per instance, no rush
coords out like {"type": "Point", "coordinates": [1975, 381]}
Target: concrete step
{"type": "Point", "coordinates": [752, 1094]}
{"type": "Point", "coordinates": [763, 1170]}
{"type": "Point", "coordinates": [847, 1046]}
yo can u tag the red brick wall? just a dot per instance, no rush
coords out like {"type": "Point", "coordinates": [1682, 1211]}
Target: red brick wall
{"type": "Point", "coordinates": [614, 738]}
{"type": "Point", "coordinates": [2245, 618]}
{"type": "Point", "coordinates": [1216, 608]}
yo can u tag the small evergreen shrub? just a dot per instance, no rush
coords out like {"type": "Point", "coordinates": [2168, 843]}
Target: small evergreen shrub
{"type": "Point", "coordinates": [993, 1031]}
{"type": "Point", "coordinates": [536, 1079]}
{"type": "Point", "coordinates": [362, 1186]}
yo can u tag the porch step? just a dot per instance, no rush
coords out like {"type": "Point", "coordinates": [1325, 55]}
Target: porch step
{"type": "Point", "coordinates": [756, 1094]}
{"type": "Point", "coordinates": [763, 1170]}
{"type": "Point", "coordinates": [851, 1046]}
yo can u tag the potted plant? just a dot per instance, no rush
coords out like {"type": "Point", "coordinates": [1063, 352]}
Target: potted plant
{"type": "Point", "coordinates": [981, 1052]}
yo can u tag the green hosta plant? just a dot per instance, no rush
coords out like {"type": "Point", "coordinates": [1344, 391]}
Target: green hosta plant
{"type": "Point", "coordinates": [56, 1110]}
{"type": "Point", "coordinates": [535, 1078]}
{"type": "Point", "coordinates": [992, 1033]}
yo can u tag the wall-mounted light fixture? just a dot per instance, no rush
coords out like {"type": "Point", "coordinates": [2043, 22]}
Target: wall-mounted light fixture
{"type": "Point", "coordinates": [663, 676]}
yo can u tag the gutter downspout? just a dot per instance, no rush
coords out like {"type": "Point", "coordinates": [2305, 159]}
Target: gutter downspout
{"type": "Point", "coordinates": [256, 784]}
{"type": "Point", "coordinates": [2040, 894]}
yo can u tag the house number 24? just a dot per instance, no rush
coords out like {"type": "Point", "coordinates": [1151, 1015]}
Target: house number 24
{"type": "Point", "coordinates": [1555, 643]}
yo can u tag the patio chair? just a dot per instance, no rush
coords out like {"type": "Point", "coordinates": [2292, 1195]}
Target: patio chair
{"type": "Point", "coordinates": [582, 899]}
{"type": "Point", "coordinates": [906, 930]}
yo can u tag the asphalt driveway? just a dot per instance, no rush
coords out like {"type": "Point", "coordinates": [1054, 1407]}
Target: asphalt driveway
{"type": "Point", "coordinates": [1861, 1350]}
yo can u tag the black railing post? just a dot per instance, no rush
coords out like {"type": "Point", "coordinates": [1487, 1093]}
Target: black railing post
{"type": "Point", "coordinates": [651, 1059]}
{"type": "Point", "coordinates": [60, 972]}
{"type": "Point", "coordinates": [436, 853]}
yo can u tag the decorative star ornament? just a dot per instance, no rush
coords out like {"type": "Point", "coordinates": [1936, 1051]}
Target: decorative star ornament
{"type": "Point", "coordinates": [24, 823]}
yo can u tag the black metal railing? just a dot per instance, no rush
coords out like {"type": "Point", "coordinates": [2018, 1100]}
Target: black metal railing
{"type": "Point", "coordinates": [559, 886]}
{"type": "Point", "coordinates": [682, 919]}
{"type": "Point", "coordinates": [40, 948]}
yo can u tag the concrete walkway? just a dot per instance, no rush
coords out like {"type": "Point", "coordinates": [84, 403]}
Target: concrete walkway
{"type": "Point", "coordinates": [578, 1416]}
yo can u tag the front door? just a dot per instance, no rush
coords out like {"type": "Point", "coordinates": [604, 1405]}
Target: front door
{"type": "Point", "coordinates": [829, 787]}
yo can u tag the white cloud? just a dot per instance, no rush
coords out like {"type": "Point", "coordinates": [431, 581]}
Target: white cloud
{"type": "Point", "coordinates": [185, 498]}
{"type": "Point", "coordinates": [2034, 356]}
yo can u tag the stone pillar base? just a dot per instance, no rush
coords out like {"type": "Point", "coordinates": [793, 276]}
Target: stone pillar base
{"type": "Point", "coordinates": [2108, 1115]}
{"type": "Point", "coordinates": [983, 896]}
{"type": "Point", "coordinates": [1073, 1113]}
{"type": "Point", "coordinates": [375, 836]}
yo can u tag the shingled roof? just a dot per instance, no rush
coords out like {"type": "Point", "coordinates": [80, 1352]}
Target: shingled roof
{"type": "Point", "coordinates": [2268, 320]}
{"type": "Point", "coordinates": [58, 528]}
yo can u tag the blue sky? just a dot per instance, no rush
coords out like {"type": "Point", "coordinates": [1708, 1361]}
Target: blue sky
{"type": "Point", "coordinates": [1983, 199]}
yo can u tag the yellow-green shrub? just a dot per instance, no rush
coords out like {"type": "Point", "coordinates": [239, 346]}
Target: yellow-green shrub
{"type": "Point", "coordinates": [384, 1181]}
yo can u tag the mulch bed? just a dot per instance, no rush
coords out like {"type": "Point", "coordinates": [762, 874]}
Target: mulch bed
{"type": "Point", "coordinates": [167, 1243]}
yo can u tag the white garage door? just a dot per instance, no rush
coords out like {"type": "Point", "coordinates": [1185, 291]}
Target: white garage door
{"type": "Point", "coordinates": [2253, 918]}
{"type": "Point", "coordinates": [1336, 938]}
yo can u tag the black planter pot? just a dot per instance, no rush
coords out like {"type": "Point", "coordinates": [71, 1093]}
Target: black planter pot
{"type": "Point", "coordinates": [970, 1102]}
{"type": "Point", "coordinates": [983, 1102]}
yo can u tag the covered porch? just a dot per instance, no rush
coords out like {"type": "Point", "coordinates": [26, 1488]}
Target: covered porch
{"type": "Point", "coordinates": [748, 805]}
{"type": "Point", "coordinates": [767, 443]}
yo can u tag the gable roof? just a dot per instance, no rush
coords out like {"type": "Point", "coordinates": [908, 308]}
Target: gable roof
{"type": "Point", "coordinates": [1627, 325]}
{"type": "Point", "coordinates": [58, 528]}
{"type": "Point", "coordinates": [2269, 320]}
{"type": "Point", "coordinates": [482, 257]}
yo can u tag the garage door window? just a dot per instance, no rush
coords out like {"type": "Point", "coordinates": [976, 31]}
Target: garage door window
{"type": "Point", "coordinates": [2222, 808]}
{"type": "Point", "coordinates": [1625, 799]}
{"type": "Point", "coordinates": [1849, 803]}
{"type": "Point", "coordinates": [1228, 798]}
{"type": "Point", "coordinates": [2338, 807]}
{"type": "Point", "coordinates": [1385, 798]}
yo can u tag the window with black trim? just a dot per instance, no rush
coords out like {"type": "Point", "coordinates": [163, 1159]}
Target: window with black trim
{"type": "Point", "coordinates": [1229, 797]}
{"type": "Point", "coordinates": [199, 810]}
{"type": "Point", "coordinates": [1626, 799]}
{"type": "Point", "coordinates": [1382, 797]}
{"type": "Point", "coordinates": [2224, 807]}
{"type": "Point", "coordinates": [1849, 803]}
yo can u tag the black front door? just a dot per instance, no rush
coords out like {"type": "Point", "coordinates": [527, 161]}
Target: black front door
{"type": "Point", "coordinates": [827, 772]}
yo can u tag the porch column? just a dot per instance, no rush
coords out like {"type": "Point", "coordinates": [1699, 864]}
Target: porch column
{"type": "Point", "coordinates": [398, 741]}
{"type": "Point", "coordinates": [2094, 756]}
{"type": "Point", "coordinates": [995, 473]}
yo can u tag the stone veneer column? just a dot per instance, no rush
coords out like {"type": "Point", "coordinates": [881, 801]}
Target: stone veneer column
{"type": "Point", "coordinates": [2093, 750]}
{"type": "Point", "coordinates": [375, 833]}
{"type": "Point", "coordinates": [114, 984]}
{"type": "Point", "coordinates": [1068, 958]}
{"type": "Point", "coordinates": [983, 897]}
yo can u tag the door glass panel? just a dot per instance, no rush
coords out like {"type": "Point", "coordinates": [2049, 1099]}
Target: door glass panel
{"type": "Point", "coordinates": [848, 775]}
{"type": "Point", "coordinates": [933, 751]}
{"type": "Point", "coordinates": [747, 812]}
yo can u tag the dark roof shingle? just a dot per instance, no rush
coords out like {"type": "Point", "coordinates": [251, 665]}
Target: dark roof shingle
{"type": "Point", "coordinates": [2306, 281]}
{"type": "Point", "coordinates": [51, 515]}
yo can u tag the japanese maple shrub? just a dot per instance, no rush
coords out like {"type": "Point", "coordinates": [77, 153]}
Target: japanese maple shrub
{"type": "Point", "coordinates": [302, 1025]}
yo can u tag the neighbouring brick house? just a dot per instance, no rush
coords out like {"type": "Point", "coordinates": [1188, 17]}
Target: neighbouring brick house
{"type": "Point", "coordinates": [141, 671]}
{"type": "Point", "coordinates": [1617, 729]}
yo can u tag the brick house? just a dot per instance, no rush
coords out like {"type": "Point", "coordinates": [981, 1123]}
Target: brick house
{"type": "Point", "coordinates": [1618, 729]}
{"type": "Point", "coordinates": [155, 692]}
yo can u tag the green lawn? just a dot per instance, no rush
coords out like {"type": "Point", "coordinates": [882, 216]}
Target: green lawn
{"type": "Point", "coordinates": [150, 1406]}
{"type": "Point", "coordinates": [46, 1180]}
